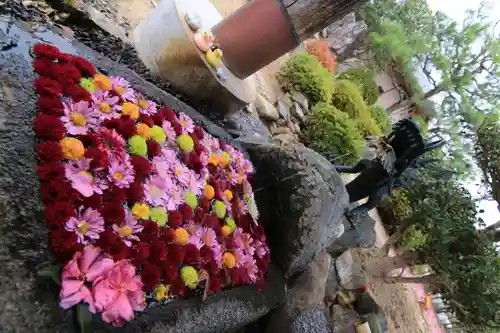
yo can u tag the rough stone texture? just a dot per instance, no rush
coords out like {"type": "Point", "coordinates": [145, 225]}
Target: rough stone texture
{"type": "Point", "coordinates": [343, 320]}
{"type": "Point", "coordinates": [28, 303]}
{"type": "Point", "coordinates": [301, 99]}
{"type": "Point", "coordinates": [362, 236]}
{"type": "Point", "coordinates": [304, 302]}
{"type": "Point", "coordinates": [343, 32]}
{"type": "Point", "coordinates": [302, 199]}
{"type": "Point", "coordinates": [297, 111]}
{"type": "Point", "coordinates": [265, 108]}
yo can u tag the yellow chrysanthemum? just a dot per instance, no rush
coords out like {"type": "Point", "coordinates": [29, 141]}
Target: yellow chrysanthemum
{"type": "Point", "coordinates": [228, 260]}
{"type": "Point", "coordinates": [72, 148]}
{"type": "Point", "coordinates": [143, 130]}
{"type": "Point", "coordinates": [162, 292]}
{"type": "Point", "coordinates": [190, 277]}
{"type": "Point", "coordinates": [102, 82]}
{"type": "Point", "coordinates": [131, 110]}
{"type": "Point", "coordinates": [158, 134]}
{"type": "Point", "coordinates": [228, 194]}
{"type": "Point", "coordinates": [141, 211]}
{"type": "Point", "coordinates": [181, 236]}
{"type": "Point", "coordinates": [185, 143]}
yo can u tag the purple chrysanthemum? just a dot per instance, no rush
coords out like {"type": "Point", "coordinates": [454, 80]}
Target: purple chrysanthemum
{"type": "Point", "coordinates": [87, 225]}
{"type": "Point", "coordinates": [120, 172]}
{"type": "Point", "coordinates": [79, 117]}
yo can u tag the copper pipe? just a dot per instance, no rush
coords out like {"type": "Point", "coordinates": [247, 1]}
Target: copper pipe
{"type": "Point", "coordinates": [248, 40]}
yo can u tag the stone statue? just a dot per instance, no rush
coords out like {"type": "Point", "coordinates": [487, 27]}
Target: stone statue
{"type": "Point", "coordinates": [390, 163]}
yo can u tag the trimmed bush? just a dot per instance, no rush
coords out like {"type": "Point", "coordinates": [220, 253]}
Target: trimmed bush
{"type": "Point", "coordinates": [381, 117]}
{"type": "Point", "coordinates": [395, 210]}
{"type": "Point", "coordinates": [364, 78]}
{"type": "Point", "coordinates": [304, 73]}
{"type": "Point", "coordinates": [347, 98]}
{"type": "Point", "coordinates": [321, 50]}
{"type": "Point", "coordinates": [333, 134]}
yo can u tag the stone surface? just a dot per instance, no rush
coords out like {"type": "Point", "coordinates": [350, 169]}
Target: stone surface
{"type": "Point", "coordinates": [285, 138]}
{"type": "Point", "coordinates": [283, 106]}
{"type": "Point", "coordinates": [301, 198]}
{"type": "Point", "coordinates": [297, 112]}
{"type": "Point", "coordinates": [244, 123]}
{"type": "Point", "coordinates": [281, 130]}
{"type": "Point", "coordinates": [362, 236]}
{"type": "Point", "coordinates": [343, 319]}
{"type": "Point", "coordinates": [266, 109]}
{"type": "Point", "coordinates": [304, 309]}
{"type": "Point", "coordinates": [301, 99]}
{"type": "Point", "coordinates": [29, 303]}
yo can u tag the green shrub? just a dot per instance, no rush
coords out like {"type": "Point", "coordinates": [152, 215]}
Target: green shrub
{"type": "Point", "coordinates": [304, 73]}
{"type": "Point", "coordinates": [412, 239]}
{"type": "Point", "coordinates": [364, 78]}
{"type": "Point", "coordinates": [382, 118]}
{"type": "Point", "coordinates": [333, 134]}
{"type": "Point", "coordinates": [347, 98]}
{"type": "Point", "coordinates": [395, 210]}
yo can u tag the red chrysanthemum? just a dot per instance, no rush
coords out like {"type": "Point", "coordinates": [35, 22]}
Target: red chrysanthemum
{"type": "Point", "coordinates": [43, 67]}
{"type": "Point", "coordinates": [112, 244]}
{"type": "Point", "coordinates": [154, 148]}
{"type": "Point", "coordinates": [205, 204]}
{"type": "Point", "coordinates": [64, 244]}
{"type": "Point", "coordinates": [141, 252]}
{"type": "Point", "coordinates": [111, 123]}
{"type": "Point", "coordinates": [239, 276]}
{"type": "Point", "coordinates": [49, 127]}
{"type": "Point", "coordinates": [150, 232]}
{"type": "Point", "coordinates": [49, 152]}
{"type": "Point", "coordinates": [199, 149]}
{"type": "Point", "coordinates": [99, 158]}
{"type": "Point", "coordinates": [206, 254]}
{"type": "Point", "coordinates": [199, 215]}
{"type": "Point", "coordinates": [230, 244]}
{"type": "Point", "coordinates": [150, 276]}
{"type": "Point", "coordinates": [168, 113]}
{"type": "Point", "coordinates": [158, 251]}
{"type": "Point", "coordinates": [175, 220]}
{"type": "Point", "coordinates": [85, 67]}
{"type": "Point", "coordinates": [46, 51]}
{"type": "Point", "coordinates": [126, 127]}
{"type": "Point", "coordinates": [57, 214]}
{"type": "Point", "coordinates": [78, 94]}
{"type": "Point", "coordinates": [64, 57]}
{"type": "Point", "coordinates": [110, 141]}
{"type": "Point", "coordinates": [186, 212]}
{"type": "Point", "coordinates": [113, 213]}
{"type": "Point", "coordinates": [222, 144]}
{"type": "Point", "coordinates": [50, 105]}
{"type": "Point", "coordinates": [177, 128]}
{"type": "Point", "coordinates": [170, 272]}
{"type": "Point", "coordinates": [157, 119]}
{"type": "Point", "coordinates": [135, 192]}
{"type": "Point", "coordinates": [192, 255]}
{"type": "Point", "coordinates": [94, 202]}
{"type": "Point", "coordinates": [176, 253]}
{"type": "Point", "coordinates": [56, 191]}
{"type": "Point", "coordinates": [47, 86]}
{"type": "Point", "coordinates": [146, 120]}
{"type": "Point", "coordinates": [50, 171]}
{"type": "Point", "coordinates": [142, 166]}
{"type": "Point", "coordinates": [211, 221]}
{"type": "Point", "coordinates": [67, 75]}
{"type": "Point", "coordinates": [115, 195]}
{"type": "Point", "coordinates": [200, 133]}
{"type": "Point", "coordinates": [178, 288]}
{"type": "Point", "coordinates": [167, 234]}
{"type": "Point", "coordinates": [215, 284]}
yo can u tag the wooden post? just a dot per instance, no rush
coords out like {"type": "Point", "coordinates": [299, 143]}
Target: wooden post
{"type": "Point", "coordinates": [311, 16]}
{"type": "Point", "coordinates": [263, 30]}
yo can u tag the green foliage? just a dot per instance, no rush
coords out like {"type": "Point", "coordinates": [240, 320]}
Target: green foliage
{"type": "Point", "coordinates": [413, 239]}
{"type": "Point", "coordinates": [365, 79]}
{"type": "Point", "coordinates": [381, 117]}
{"type": "Point", "coordinates": [331, 133]}
{"type": "Point", "coordinates": [304, 73]}
{"type": "Point", "coordinates": [347, 98]}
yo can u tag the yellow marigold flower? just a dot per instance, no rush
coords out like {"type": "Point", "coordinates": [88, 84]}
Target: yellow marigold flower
{"type": "Point", "coordinates": [228, 260]}
{"type": "Point", "coordinates": [72, 148]}
{"type": "Point", "coordinates": [209, 192]}
{"type": "Point", "coordinates": [228, 194]}
{"type": "Point", "coordinates": [162, 292]}
{"type": "Point", "coordinates": [131, 110]}
{"type": "Point", "coordinates": [143, 130]}
{"type": "Point", "coordinates": [102, 82]}
{"type": "Point", "coordinates": [190, 277]}
{"type": "Point", "coordinates": [226, 230]}
{"type": "Point", "coordinates": [141, 211]}
{"type": "Point", "coordinates": [181, 236]}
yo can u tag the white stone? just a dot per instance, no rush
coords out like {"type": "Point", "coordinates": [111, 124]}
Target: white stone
{"type": "Point", "coordinates": [266, 109]}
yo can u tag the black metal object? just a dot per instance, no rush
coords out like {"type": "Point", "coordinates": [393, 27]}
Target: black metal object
{"type": "Point", "coordinates": [393, 164]}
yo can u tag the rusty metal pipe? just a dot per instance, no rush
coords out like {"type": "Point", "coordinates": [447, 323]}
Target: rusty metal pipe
{"type": "Point", "coordinates": [248, 39]}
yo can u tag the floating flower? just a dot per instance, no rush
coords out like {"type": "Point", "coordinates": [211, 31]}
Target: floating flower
{"type": "Point", "coordinates": [82, 180]}
{"type": "Point", "coordinates": [181, 236]}
{"type": "Point", "coordinates": [158, 215]}
{"type": "Point", "coordinates": [87, 84]}
{"type": "Point", "coordinates": [120, 173]}
{"type": "Point", "coordinates": [175, 198]}
{"type": "Point", "coordinates": [191, 200]}
{"type": "Point", "coordinates": [128, 230]}
{"type": "Point", "coordinates": [162, 292]}
{"type": "Point", "coordinates": [208, 192]}
{"type": "Point", "coordinates": [122, 87]}
{"type": "Point", "coordinates": [131, 110]}
{"type": "Point", "coordinates": [224, 159]}
{"type": "Point", "coordinates": [147, 107]}
{"type": "Point", "coordinates": [240, 257]}
{"type": "Point", "coordinates": [185, 142]}
{"type": "Point", "coordinates": [228, 260]}
{"type": "Point", "coordinates": [186, 123]}
{"type": "Point", "coordinates": [78, 117]}
{"type": "Point", "coordinates": [111, 142]}
{"type": "Point", "coordinates": [144, 131]}
{"type": "Point", "coordinates": [231, 224]}
{"type": "Point", "coordinates": [102, 82]}
{"type": "Point", "coordinates": [228, 195]}
{"type": "Point", "coordinates": [119, 293]}
{"type": "Point", "coordinates": [84, 267]}
{"type": "Point", "coordinates": [72, 148]}
{"type": "Point", "coordinates": [210, 143]}
{"type": "Point", "coordinates": [87, 225]}
{"type": "Point", "coordinates": [260, 248]}
{"type": "Point", "coordinates": [158, 134]}
{"type": "Point", "coordinates": [220, 209]}
{"type": "Point", "coordinates": [189, 276]}
{"type": "Point", "coordinates": [181, 173]}
{"type": "Point", "coordinates": [137, 145]}
{"type": "Point", "coordinates": [169, 132]}
{"type": "Point", "coordinates": [195, 184]}
{"type": "Point", "coordinates": [156, 189]}
{"type": "Point", "coordinates": [251, 269]}
{"type": "Point", "coordinates": [226, 230]}
{"type": "Point", "coordinates": [141, 211]}
{"type": "Point", "coordinates": [105, 105]}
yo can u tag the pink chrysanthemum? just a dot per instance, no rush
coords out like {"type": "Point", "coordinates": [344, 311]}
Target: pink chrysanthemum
{"type": "Point", "coordinates": [105, 105]}
{"type": "Point", "coordinates": [146, 106]}
{"type": "Point", "coordinates": [204, 159]}
{"type": "Point", "coordinates": [194, 183]}
{"type": "Point", "coordinates": [211, 143]}
{"type": "Point", "coordinates": [122, 87]}
{"type": "Point", "coordinates": [244, 241]}
{"type": "Point", "coordinates": [111, 142]}
{"type": "Point", "coordinates": [156, 189]}
{"type": "Point", "coordinates": [78, 117]}
{"type": "Point", "coordinates": [260, 248]}
{"type": "Point", "coordinates": [239, 256]}
{"type": "Point", "coordinates": [241, 206]}
{"type": "Point", "coordinates": [174, 198]}
{"type": "Point", "coordinates": [87, 225]}
{"type": "Point", "coordinates": [120, 172]}
{"type": "Point", "coordinates": [186, 123]}
{"type": "Point", "coordinates": [251, 269]}
{"type": "Point", "coordinates": [169, 132]}
{"type": "Point", "coordinates": [82, 180]}
{"type": "Point", "coordinates": [128, 230]}
{"type": "Point", "coordinates": [181, 173]}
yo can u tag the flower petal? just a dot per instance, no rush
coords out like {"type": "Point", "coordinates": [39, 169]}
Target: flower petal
{"type": "Point", "coordinates": [70, 287]}
{"type": "Point", "coordinates": [90, 254]}
{"type": "Point", "coordinates": [99, 268]}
